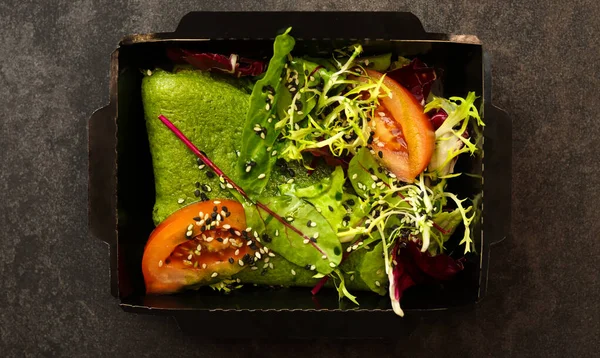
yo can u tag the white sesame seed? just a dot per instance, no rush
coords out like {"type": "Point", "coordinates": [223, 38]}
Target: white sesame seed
{"type": "Point", "coordinates": [352, 278]}
{"type": "Point", "coordinates": [373, 186]}
{"type": "Point", "coordinates": [226, 240]}
{"type": "Point", "coordinates": [190, 227]}
{"type": "Point", "coordinates": [392, 175]}
{"type": "Point", "coordinates": [293, 272]}
{"type": "Point", "coordinates": [203, 266]}
{"type": "Point", "coordinates": [261, 250]}
{"type": "Point", "coordinates": [201, 166]}
{"type": "Point", "coordinates": [271, 265]}
{"type": "Point", "coordinates": [377, 284]}
{"type": "Point", "coordinates": [269, 149]}
{"type": "Point", "coordinates": [267, 106]}
{"type": "Point", "coordinates": [248, 229]}
{"type": "Point", "coordinates": [324, 257]}
{"type": "Point", "coordinates": [255, 233]}
{"type": "Point", "coordinates": [262, 176]}
{"type": "Point", "coordinates": [180, 200]}
{"type": "Point", "coordinates": [187, 262]}
{"type": "Point", "coordinates": [276, 232]}
{"type": "Point", "coordinates": [226, 226]}
{"type": "Point", "coordinates": [332, 264]}
{"type": "Point", "coordinates": [237, 252]}
{"type": "Point", "coordinates": [248, 168]}
{"type": "Point", "coordinates": [306, 241]}
{"type": "Point", "coordinates": [257, 128]}
{"type": "Point", "coordinates": [290, 219]}
{"type": "Point", "coordinates": [258, 255]}
{"type": "Point", "coordinates": [209, 239]}
{"type": "Point", "coordinates": [214, 274]}
{"type": "Point", "coordinates": [253, 268]}
{"type": "Point", "coordinates": [237, 152]}
{"type": "Point", "coordinates": [240, 262]}
{"type": "Point", "coordinates": [313, 267]}
{"type": "Point", "coordinates": [266, 259]}
{"type": "Point", "coordinates": [262, 135]}
{"type": "Point", "coordinates": [237, 233]}
{"type": "Point", "coordinates": [249, 243]}
{"type": "Point", "coordinates": [271, 254]}
{"type": "Point", "coordinates": [160, 263]}
{"type": "Point", "coordinates": [344, 223]}
{"type": "Point", "coordinates": [265, 266]}
{"type": "Point", "coordinates": [189, 233]}
{"type": "Point", "coordinates": [354, 176]}
{"type": "Point", "coordinates": [349, 249]}
{"type": "Point", "coordinates": [300, 112]}
{"type": "Point", "coordinates": [228, 185]}
{"type": "Point", "coordinates": [190, 256]}
{"type": "Point", "coordinates": [270, 120]}
{"type": "Point", "coordinates": [290, 181]}
{"type": "Point", "coordinates": [313, 224]}
{"type": "Point", "coordinates": [216, 202]}
{"type": "Point", "coordinates": [316, 235]}
{"type": "Point", "coordinates": [273, 153]}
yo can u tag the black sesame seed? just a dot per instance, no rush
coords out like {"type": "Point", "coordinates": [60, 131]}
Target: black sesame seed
{"type": "Point", "coordinates": [246, 257]}
{"type": "Point", "coordinates": [379, 170]}
{"type": "Point", "coordinates": [213, 215]}
{"type": "Point", "coordinates": [330, 208]}
{"type": "Point", "coordinates": [196, 193]}
{"type": "Point", "coordinates": [168, 261]}
{"type": "Point", "coordinates": [346, 218]}
{"type": "Point", "coordinates": [204, 197]}
{"type": "Point", "coordinates": [350, 202]}
{"type": "Point", "coordinates": [227, 214]}
{"type": "Point", "coordinates": [197, 184]}
{"type": "Point", "coordinates": [291, 172]}
{"type": "Point", "coordinates": [204, 187]}
{"type": "Point", "coordinates": [313, 239]}
{"type": "Point", "coordinates": [199, 161]}
{"type": "Point", "coordinates": [203, 228]}
{"type": "Point", "coordinates": [394, 194]}
{"type": "Point", "coordinates": [281, 162]}
{"type": "Point", "coordinates": [210, 174]}
{"type": "Point", "coordinates": [266, 238]}
{"type": "Point", "coordinates": [208, 221]}
{"type": "Point", "coordinates": [371, 171]}
{"type": "Point", "coordinates": [231, 231]}
{"type": "Point", "coordinates": [306, 72]}
{"type": "Point", "coordinates": [251, 260]}
{"type": "Point", "coordinates": [307, 266]}
{"type": "Point", "coordinates": [230, 260]}
{"type": "Point", "coordinates": [309, 223]}
{"type": "Point", "coordinates": [380, 154]}
{"type": "Point", "coordinates": [299, 106]}
{"type": "Point", "coordinates": [196, 218]}
{"type": "Point", "coordinates": [245, 234]}
{"type": "Point", "coordinates": [219, 239]}
{"type": "Point", "coordinates": [254, 247]}
{"type": "Point", "coordinates": [224, 208]}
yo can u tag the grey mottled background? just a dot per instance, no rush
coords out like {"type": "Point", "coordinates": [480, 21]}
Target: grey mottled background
{"type": "Point", "coordinates": [54, 290]}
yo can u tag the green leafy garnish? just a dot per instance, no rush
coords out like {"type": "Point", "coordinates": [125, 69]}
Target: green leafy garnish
{"type": "Point", "coordinates": [259, 134]}
{"type": "Point", "coordinates": [450, 141]}
{"type": "Point", "coordinates": [316, 243]}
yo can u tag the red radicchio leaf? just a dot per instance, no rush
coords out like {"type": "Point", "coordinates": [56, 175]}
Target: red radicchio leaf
{"type": "Point", "coordinates": [437, 117]}
{"type": "Point", "coordinates": [235, 65]}
{"type": "Point", "coordinates": [416, 77]}
{"type": "Point", "coordinates": [415, 267]}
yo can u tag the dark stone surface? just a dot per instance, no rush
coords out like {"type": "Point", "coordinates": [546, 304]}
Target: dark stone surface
{"type": "Point", "coordinates": [543, 297]}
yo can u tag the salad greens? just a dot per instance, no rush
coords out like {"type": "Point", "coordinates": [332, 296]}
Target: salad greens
{"type": "Point", "coordinates": [361, 223]}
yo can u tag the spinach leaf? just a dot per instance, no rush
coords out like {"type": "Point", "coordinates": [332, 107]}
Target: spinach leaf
{"type": "Point", "coordinates": [372, 269]}
{"type": "Point", "coordinates": [259, 133]}
{"type": "Point", "coordinates": [341, 209]}
{"type": "Point", "coordinates": [303, 237]}
{"type": "Point", "coordinates": [363, 169]}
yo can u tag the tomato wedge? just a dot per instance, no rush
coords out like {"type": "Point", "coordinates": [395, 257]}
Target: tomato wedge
{"type": "Point", "coordinates": [403, 136]}
{"type": "Point", "coordinates": [197, 245]}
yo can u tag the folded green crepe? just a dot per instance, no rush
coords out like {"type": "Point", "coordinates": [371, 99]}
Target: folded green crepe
{"type": "Point", "coordinates": [211, 109]}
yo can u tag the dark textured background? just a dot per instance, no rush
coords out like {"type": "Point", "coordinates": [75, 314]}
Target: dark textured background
{"type": "Point", "coordinates": [543, 297]}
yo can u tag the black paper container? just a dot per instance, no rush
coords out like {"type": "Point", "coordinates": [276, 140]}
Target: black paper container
{"type": "Point", "coordinates": [121, 185]}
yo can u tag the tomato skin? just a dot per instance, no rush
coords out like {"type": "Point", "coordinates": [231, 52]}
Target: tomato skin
{"type": "Point", "coordinates": [164, 265]}
{"type": "Point", "coordinates": [407, 155]}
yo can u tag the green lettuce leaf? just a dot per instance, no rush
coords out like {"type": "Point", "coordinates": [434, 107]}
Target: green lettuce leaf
{"type": "Point", "coordinates": [341, 209]}
{"type": "Point", "coordinates": [318, 245]}
{"type": "Point", "coordinates": [259, 133]}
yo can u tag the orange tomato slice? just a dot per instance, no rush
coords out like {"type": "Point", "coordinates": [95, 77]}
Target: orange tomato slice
{"type": "Point", "coordinates": [403, 136]}
{"type": "Point", "coordinates": [197, 245]}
